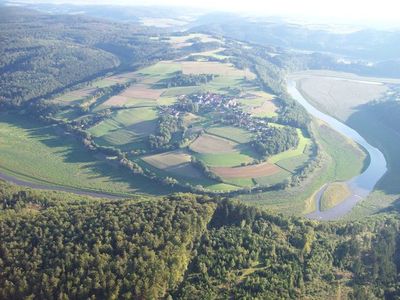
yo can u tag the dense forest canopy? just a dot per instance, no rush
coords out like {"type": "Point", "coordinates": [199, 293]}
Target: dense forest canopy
{"type": "Point", "coordinates": [62, 246]}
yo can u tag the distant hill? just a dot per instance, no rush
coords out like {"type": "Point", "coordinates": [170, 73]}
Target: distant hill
{"type": "Point", "coordinates": [42, 53]}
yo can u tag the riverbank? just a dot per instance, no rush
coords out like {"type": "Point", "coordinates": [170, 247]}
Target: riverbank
{"type": "Point", "coordinates": [361, 185]}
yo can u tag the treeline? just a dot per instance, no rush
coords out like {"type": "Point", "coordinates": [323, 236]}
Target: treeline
{"type": "Point", "coordinates": [56, 245]}
{"type": "Point", "coordinates": [205, 169]}
{"type": "Point", "coordinates": [275, 140]}
{"type": "Point", "coordinates": [180, 79]}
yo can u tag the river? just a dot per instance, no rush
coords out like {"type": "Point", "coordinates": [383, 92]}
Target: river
{"type": "Point", "coordinates": [360, 186]}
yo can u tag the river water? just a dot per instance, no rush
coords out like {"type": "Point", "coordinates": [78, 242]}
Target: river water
{"type": "Point", "coordinates": [361, 185]}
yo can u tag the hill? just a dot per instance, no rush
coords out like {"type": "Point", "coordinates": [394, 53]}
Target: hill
{"type": "Point", "coordinates": [57, 245]}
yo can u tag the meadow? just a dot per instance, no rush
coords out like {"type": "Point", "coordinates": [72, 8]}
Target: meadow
{"type": "Point", "coordinates": [35, 152]}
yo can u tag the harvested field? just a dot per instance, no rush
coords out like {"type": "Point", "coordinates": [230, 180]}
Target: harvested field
{"type": "Point", "coordinates": [142, 91]}
{"type": "Point", "coordinates": [212, 144]}
{"type": "Point", "coordinates": [174, 162]}
{"type": "Point", "coordinates": [116, 101]}
{"type": "Point", "coordinates": [167, 160]}
{"type": "Point", "coordinates": [75, 96]}
{"type": "Point", "coordinates": [205, 67]}
{"type": "Point", "coordinates": [267, 109]}
{"type": "Point", "coordinates": [252, 171]}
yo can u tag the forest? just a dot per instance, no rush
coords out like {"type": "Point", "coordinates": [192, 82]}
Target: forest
{"type": "Point", "coordinates": [44, 54]}
{"type": "Point", "coordinates": [60, 246]}
{"type": "Point", "coordinates": [275, 140]}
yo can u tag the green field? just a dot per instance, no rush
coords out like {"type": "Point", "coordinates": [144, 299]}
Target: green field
{"type": "Point", "coordinates": [35, 153]}
{"type": "Point", "coordinates": [126, 128]}
{"type": "Point", "coordinates": [341, 161]}
{"type": "Point", "coordinates": [273, 179]}
{"type": "Point", "coordinates": [235, 134]}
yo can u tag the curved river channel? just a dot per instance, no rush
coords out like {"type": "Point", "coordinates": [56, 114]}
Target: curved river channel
{"type": "Point", "coordinates": [361, 185]}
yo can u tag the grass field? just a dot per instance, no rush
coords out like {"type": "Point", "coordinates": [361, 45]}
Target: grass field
{"type": "Point", "coordinates": [273, 179]}
{"type": "Point", "coordinates": [235, 134]}
{"type": "Point", "coordinates": [126, 128]}
{"type": "Point", "coordinates": [338, 97]}
{"type": "Point", "coordinates": [33, 152]}
{"type": "Point", "coordinates": [340, 162]}
{"type": "Point", "coordinates": [334, 194]}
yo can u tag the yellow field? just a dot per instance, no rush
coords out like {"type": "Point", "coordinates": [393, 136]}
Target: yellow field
{"type": "Point", "coordinates": [334, 194]}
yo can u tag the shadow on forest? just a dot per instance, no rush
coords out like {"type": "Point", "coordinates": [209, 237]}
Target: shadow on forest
{"type": "Point", "coordinates": [373, 127]}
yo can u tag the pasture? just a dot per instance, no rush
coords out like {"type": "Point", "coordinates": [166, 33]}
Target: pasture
{"type": "Point", "coordinates": [216, 151]}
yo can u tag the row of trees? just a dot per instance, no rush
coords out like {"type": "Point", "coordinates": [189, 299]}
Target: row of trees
{"type": "Point", "coordinates": [180, 79]}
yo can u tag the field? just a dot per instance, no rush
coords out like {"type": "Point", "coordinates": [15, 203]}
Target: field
{"type": "Point", "coordinates": [135, 93]}
{"type": "Point", "coordinates": [339, 97]}
{"type": "Point", "coordinates": [334, 194]}
{"type": "Point", "coordinates": [174, 162]}
{"type": "Point", "coordinates": [342, 160]}
{"type": "Point", "coordinates": [77, 96]}
{"type": "Point", "coordinates": [235, 134]}
{"type": "Point", "coordinates": [259, 104]}
{"type": "Point", "coordinates": [209, 144]}
{"type": "Point", "coordinates": [253, 171]}
{"type": "Point", "coordinates": [184, 41]}
{"type": "Point", "coordinates": [35, 153]}
{"type": "Point", "coordinates": [125, 128]}
{"type": "Point", "coordinates": [215, 151]}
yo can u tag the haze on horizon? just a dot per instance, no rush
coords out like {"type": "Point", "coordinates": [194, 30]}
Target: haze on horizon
{"type": "Point", "coordinates": [384, 12]}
